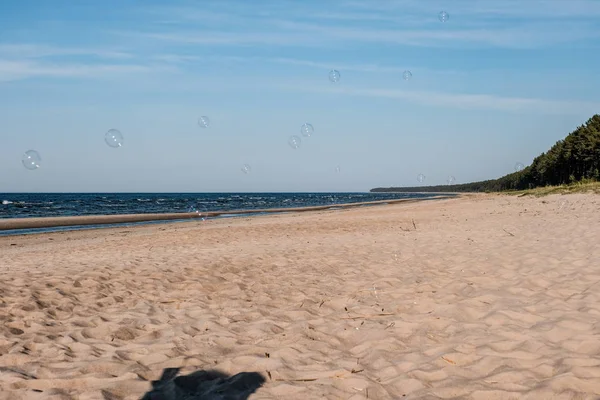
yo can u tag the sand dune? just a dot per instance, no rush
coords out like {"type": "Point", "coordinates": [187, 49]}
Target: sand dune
{"type": "Point", "coordinates": [482, 297]}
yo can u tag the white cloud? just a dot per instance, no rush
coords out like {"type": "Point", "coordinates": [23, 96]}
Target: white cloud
{"type": "Point", "coordinates": [40, 51]}
{"type": "Point", "coordinates": [462, 101]}
{"type": "Point", "coordinates": [296, 34]}
{"type": "Point", "coordinates": [501, 23]}
{"type": "Point", "coordinates": [19, 70]}
{"type": "Point", "coordinates": [229, 38]}
{"type": "Point", "coordinates": [537, 9]}
{"type": "Point", "coordinates": [522, 36]}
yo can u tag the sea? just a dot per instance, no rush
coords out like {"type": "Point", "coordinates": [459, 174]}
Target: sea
{"type": "Point", "coordinates": [28, 205]}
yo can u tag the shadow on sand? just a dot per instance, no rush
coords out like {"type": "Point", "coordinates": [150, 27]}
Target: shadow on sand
{"type": "Point", "coordinates": [204, 385]}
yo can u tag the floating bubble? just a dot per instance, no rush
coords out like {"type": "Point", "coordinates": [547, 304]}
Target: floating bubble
{"type": "Point", "coordinates": [443, 16]}
{"type": "Point", "coordinates": [31, 159]}
{"type": "Point", "coordinates": [203, 122]}
{"type": "Point", "coordinates": [114, 138]}
{"type": "Point", "coordinates": [194, 210]}
{"type": "Point", "coordinates": [337, 168]}
{"type": "Point", "coordinates": [307, 130]}
{"type": "Point", "coordinates": [334, 76]}
{"type": "Point", "coordinates": [406, 75]}
{"type": "Point", "coordinates": [294, 141]}
{"type": "Point", "coordinates": [451, 180]}
{"type": "Point", "coordinates": [246, 169]}
{"type": "Point", "coordinates": [420, 177]}
{"type": "Point", "coordinates": [519, 167]}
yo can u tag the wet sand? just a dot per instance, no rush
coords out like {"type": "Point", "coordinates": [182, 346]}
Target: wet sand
{"type": "Point", "coordinates": [479, 297]}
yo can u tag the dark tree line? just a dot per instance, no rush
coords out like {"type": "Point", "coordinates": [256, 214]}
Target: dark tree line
{"type": "Point", "coordinates": [573, 159]}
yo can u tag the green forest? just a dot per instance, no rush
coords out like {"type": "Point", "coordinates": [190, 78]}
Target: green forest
{"type": "Point", "coordinates": [574, 159]}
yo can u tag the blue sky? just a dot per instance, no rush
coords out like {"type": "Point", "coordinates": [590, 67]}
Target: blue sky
{"type": "Point", "coordinates": [498, 83]}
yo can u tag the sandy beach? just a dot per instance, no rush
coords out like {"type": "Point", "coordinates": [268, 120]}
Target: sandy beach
{"type": "Point", "coordinates": [479, 297]}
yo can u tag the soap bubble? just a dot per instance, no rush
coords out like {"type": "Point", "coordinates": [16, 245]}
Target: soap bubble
{"type": "Point", "coordinates": [203, 122]}
{"type": "Point", "coordinates": [307, 130]}
{"type": "Point", "coordinates": [194, 210]}
{"type": "Point", "coordinates": [451, 180]}
{"type": "Point", "coordinates": [114, 138]}
{"type": "Point", "coordinates": [246, 169]}
{"type": "Point", "coordinates": [337, 168]}
{"type": "Point", "coordinates": [334, 76]}
{"type": "Point", "coordinates": [31, 159]}
{"type": "Point", "coordinates": [406, 75]}
{"type": "Point", "coordinates": [420, 177]}
{"type": "Point", "coordinates": [294, 141]}
{"type": "Point", "coordinates": [519, 167]}
{"type": "Point", "coordinates": [443, 16]}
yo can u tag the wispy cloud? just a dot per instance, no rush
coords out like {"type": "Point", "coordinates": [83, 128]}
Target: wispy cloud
{"type": "Point", "coordinates": [20, 51]}
{"type": "Point", "coordinates": [407, 22]}
{"type": "Point", "coordinates": [488, 9]}
{"type": "Point", "coordinates": [219, 38]}
{"type": "Point", "coordinates": [514, 36]}
{"type": "Point", "coordinates": [325, 66]}
{"type": "Point", "coordinates": [295, 34]}
{"type": "Point", "coordinates": [455, 100]}
{"type": "Point", "coordinates": [20, 70]}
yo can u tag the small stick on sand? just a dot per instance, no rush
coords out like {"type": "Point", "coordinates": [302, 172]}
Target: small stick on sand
{"type": "Point", "coordinates": [414, 226]}
{"type": "Point", "coordinates": [297, 380]}
{"type": "Point", "coordinates": [508, 232]}
{"type": "Point", "coordinates": [369, 316]}
{"type": "Point", "coordinates": [24, 374]}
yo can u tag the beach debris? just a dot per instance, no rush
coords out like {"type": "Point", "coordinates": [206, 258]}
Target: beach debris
{"type": "Point", "coordinates": [369, 316]}
{"type": "Point", "coordinates": [17, 371]}
{"type": "Point", "coordinates": [507, 232]}
{"type": "Point", "coordinates": [448, 360]}
{"type": "Point", "coordinates": [297, 380]}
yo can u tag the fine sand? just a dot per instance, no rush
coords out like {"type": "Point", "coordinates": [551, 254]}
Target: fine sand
{"type": "Point", "coordinates": [480, 297]}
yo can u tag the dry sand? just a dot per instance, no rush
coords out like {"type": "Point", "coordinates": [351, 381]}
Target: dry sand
{"type": "Point", "coordinates": [483, 297]}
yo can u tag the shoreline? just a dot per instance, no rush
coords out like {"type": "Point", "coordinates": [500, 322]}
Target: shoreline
{"type": "Point", "coordinates": [20, 224]}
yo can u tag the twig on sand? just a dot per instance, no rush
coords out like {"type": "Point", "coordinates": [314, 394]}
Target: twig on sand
{"type": "Point", "coordinates": [414, 226]}
{"type": "Point", "coordinates": [369, 316]}
{"type": "Point", "coordinates": [448, 360]}
{"type": "Point", "coordinates": [507, 232]}
{"type": "Point", "coordinates": [24, 374]}
{"type": "Point", "coordinates": [296, 380]}
{"type": "Point", "coordinates": [340, 375]}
